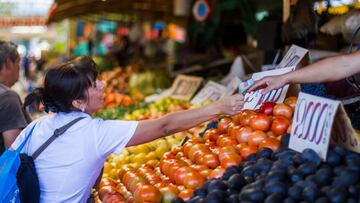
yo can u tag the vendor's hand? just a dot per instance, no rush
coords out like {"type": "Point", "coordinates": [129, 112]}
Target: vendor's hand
{"type": "Point", "coordinates": [231, 105]}
{"type": "Point", "coordinates": [268, 83]}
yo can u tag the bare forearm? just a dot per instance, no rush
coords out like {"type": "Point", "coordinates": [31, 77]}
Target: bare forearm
{"type": "Point", "coordinates": [183, 120]}
{"type": "Point", "coordinates": [327, 70]}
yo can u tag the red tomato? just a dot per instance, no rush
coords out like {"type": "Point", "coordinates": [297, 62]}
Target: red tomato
{"type": "Point", "coordinates": [234, 130]}
{"type": "Point", "coordinates": [260, 122]}
{"type": "Point", "coordinates": [246, 151]}
{"type": "Point", "coordinates": [256, 137]}
{"type": "Point", "coordinates": [172, 173]}
{"type": "Point", "coordinates": [283, 110]}
{"type": "Point", "coordinates": [230, 160]}
{"type": "Point", "coordinates": [242, 134]}
{"type": "Point", "coordinates": [227, 141]}
{"type": "Point", "coordinates": [205, 173]}
{"type": "Point", "coordinates": [211, 160]}
{"type": "Point", "coordinates": [217, 173]}
{"type": "Point", "coordinates": [193, 180]}
{"type": "Point", "coordinates": [223, 124]}
{"type": "Point", "coordinates": [147, 193]}
{"type": "Point", "coordinates": [240, 146]}
{"type": "Point", "coordinates": [267, 108]}
{"type": "Point", "coordinates": [291, 101]}
{"type": "Point", "coordinates": [181, 173]}
{"type": "Point", "coordinates": [245, 116]}
{"type": "Point", "coordinates": [230, 127]}
{"type": "Point", "coordinates": [208, 133]}
{"type": "Point", "coordinates": [227, 150]}
{"type": "Point", "coordinates": [236, 119]}
{"type": "Point", "coordinates": [271, 143]}
{"type": "Point", "coordinates": [279, 125]}
{"type": "Point", "coordinates": [186, 194]}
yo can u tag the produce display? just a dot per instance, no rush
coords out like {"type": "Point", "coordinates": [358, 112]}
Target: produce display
{"type": "Point", "coordinates": [148, 82]}
{"type": "Point", "coordinates": [116, 85]}
{"type": "Point", "coordinates": [186, 168]}
{"type": "Point", "coordinates": [286, 176]}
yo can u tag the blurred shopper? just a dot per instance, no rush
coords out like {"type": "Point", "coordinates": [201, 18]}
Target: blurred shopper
{"type": "Point", "coordinates": [13, 117]}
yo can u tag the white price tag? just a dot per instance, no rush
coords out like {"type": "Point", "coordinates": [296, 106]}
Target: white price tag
{"type": "Point", "coordinates": [253, 100]}
{"type": "Point", "coordinates": [212, 91]}
{"type": "Point", "coordinates": [184, 87]}
{"type": "Point", "coordinates": [293, 57]}
{"type": "Point", "coordinates": [312, 123]}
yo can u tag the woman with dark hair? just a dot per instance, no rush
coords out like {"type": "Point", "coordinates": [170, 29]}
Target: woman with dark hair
{"type": "Point", "coordinates": [68, 168]}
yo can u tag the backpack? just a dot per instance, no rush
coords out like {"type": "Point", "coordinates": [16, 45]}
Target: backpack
{"type": "Point", "coordinates": [18, 178]}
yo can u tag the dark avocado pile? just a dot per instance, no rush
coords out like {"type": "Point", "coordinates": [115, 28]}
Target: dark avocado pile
{"type": "Point", "coordinates": [287, 176]}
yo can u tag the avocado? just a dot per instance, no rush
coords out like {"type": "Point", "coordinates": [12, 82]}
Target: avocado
{"type": "Point", "coordinates": [196, 199]}
{"type": "Point", "coordinates": [201, 192]}
{"type": "Point", "coordinates": [273, 198]}
{"type": "Point", "coordinates": [275, 187]}
{"type": "Point", "coordinates": [337, 194]}
{"type": "Point", "coordinates": [264, 153]}
{"type": "Point", "coordinates": [236, 181]}
{"type": "Point", "coordinates": [217, 185]}
{"type": "Point", "coordinates": [252, 195]}
{"type": "Point", "coordinates": [295, 192]}
{"type": "Point", "coordinates": [289, 200]}
{"type": "Point", "coordinates": [251, 157]}
{"type": "Point", "coordinates": [228, 173]}
{"type": "Point", "coordinates": [333, 158]}
{"type": "Point", "coordinates": [310, 193]}
{"type": "Point", "coordinates": [275, 176]}
{"type": "Point", "coordinates": [216, 196]}
{"type": "Point", "coordinates": [323, 176]}
{"type": "Point", "coordinates": [311, 156]}
{"type": "Point", "coordinates": [322, 200]}
{"type": "Point", "coordinates": [307, 168]}
{"type": "Point", "coordinates": [234, 198]}
{"type": "Point", "coordinates": [298, 159]}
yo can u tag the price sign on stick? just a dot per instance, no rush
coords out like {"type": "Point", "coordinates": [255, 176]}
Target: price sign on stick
{"type": "Point", "coordinates": [293, 57]}
{"type": "Point", "coordinates": [312, 123]}
{"type": "Point", "coordinates": [253, 100]}
{"type": "Point", "coordinates": [185, 86]}
{"type": "Point", "coordinates": [212, 91]}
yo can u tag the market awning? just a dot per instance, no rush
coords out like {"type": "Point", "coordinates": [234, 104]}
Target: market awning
{"type": "Point", "coordinates": [76, 8]}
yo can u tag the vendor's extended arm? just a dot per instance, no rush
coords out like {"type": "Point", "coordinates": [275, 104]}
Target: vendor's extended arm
{"type": "Point", "coordinates": [327, 70]}
{"type": "Point", "coordinates": [175, 122]}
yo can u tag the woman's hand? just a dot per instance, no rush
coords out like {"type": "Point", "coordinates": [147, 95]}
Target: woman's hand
{"type": "Point", "coordinates": [269, 83]}
{"type": "Point", "coordinates": [230, 105]}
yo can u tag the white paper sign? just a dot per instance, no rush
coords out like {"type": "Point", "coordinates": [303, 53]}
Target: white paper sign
{"type": "Point", "coordinates": [184, 87]}
{"type": "Point", "coordinates": [293, 57]}
{"type": "Point", "coordinates": [212, 91]}
{"type": "Point", "coordinates": [312, 123]}
{"type": "Point", "coordinates": [231, 87]}
{"type": "Point", "coordinates": [253, 100]}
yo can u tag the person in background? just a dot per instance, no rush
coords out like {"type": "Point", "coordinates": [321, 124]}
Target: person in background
{"type": "Point", "coordinates": [13, 117]}
{"type": "Point", "coordinates": [327, 70]}
{"type": "Point", "coordinates": [71, 90]}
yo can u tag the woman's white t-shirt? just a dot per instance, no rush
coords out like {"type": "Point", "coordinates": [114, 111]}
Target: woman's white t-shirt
{"type": "Point", "coordinates": [68, 167]}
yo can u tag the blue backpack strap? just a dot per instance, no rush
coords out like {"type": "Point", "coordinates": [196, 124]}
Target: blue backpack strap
{"type": "Point", "coordinates": [18, 150]}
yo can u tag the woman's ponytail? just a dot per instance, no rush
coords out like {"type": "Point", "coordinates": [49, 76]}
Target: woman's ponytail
{"type": "Point", "coordinates": [36, 96]}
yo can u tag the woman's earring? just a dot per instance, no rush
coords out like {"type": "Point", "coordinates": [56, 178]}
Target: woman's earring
{"type": "Point", "coordinates": [82, 108]}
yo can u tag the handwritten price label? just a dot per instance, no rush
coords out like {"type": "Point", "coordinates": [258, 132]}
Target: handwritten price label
{"type": "Point", "coordinates": [312, 123]}
{"type": "Point", "coordinates": [293, 57]}
{"type": "Point", "coordinates": [253, 100]}
{"type": "Point", "coordinates": [184, 87]}
{"type": "Point", "coordinates": [212, 91]}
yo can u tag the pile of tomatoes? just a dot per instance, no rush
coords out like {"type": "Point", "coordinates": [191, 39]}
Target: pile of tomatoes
{"type": "Point", "coordinates": [186, 168]}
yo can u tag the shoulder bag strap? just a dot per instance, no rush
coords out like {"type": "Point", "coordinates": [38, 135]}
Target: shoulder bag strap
{"type": "Point", "coordinates": [56, 134]}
